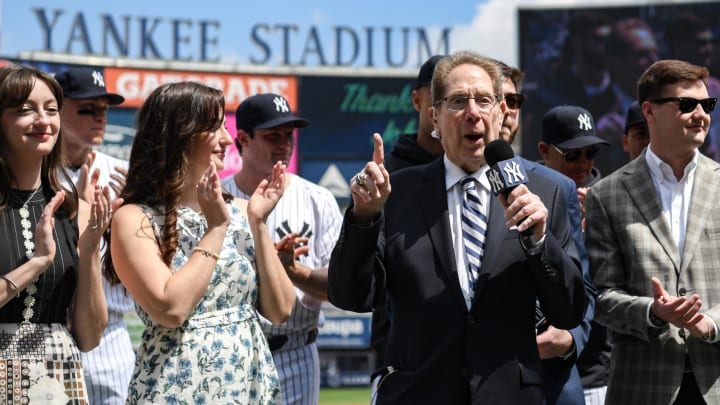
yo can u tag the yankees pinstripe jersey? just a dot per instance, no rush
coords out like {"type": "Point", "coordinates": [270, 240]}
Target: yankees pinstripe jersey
{"type": "Point", "coordinates": [313, 212]}
{"type": "Point", "coordinates": [108, 367]}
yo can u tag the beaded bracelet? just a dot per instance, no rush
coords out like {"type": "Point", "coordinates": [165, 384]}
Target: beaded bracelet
{"type": "Point", "coordinates": [12, 284]}
{"type": "Point", "coordinates": [206, 253]}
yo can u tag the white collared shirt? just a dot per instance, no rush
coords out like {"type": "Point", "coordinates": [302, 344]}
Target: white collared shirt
{"type": "Point", "coordinates": [453, 182]}
{"type": "Point", "coordinates": [675, 195]}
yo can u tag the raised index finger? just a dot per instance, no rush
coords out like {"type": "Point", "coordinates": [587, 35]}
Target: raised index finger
{"type": "Point", "coordinates": [378, 152]}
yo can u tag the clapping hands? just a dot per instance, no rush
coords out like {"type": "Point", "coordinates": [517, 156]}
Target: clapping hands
{"type": "Point", "coordinates": [210, 198]}
{"type": "Point", "coordinates": [268, 193]}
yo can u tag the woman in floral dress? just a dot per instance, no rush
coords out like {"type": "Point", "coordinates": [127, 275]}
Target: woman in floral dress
{"type": "Point", "coordinates": [52, 304]}
{"type": "Point", "coordinates": [198, 263]}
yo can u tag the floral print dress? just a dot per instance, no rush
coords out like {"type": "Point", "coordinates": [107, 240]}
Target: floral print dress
{"type": "Point", "coordinates": [219, 355]}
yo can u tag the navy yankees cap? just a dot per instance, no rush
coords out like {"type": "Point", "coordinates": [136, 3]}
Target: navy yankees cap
{"type": "Point", "coordinates": [266, 110]}
{"type": "Point", "coordinates": [634, 116]}
{"type": "Point", "coordinates": [569, 127]}
{"type": "Point", "coordinates": [82, 83]}
{"type": "Point", "coordinates": [426, 71]}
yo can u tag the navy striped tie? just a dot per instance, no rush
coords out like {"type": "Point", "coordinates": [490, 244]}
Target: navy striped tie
{"type": "Point", "coordinates": [474, 224]}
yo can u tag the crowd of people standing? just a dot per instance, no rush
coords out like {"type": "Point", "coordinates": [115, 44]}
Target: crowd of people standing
{"type": "Point", "coordinates": [565, 287]}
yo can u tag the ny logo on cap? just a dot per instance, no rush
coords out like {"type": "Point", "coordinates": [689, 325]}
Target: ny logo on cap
{"type": "Point", "coordinates": [98, 79]}
{"type": "Point", "coordinates": [584, 122]}
{"type": "Point", "coordinates": [281, 105]}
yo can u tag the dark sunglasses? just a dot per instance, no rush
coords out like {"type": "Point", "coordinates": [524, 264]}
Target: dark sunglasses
{"type": "Point", "coordinates": [688, 104]}
{"type": "Point", "coordinates": [574, 154]}
{"type": "Point", "coordinates": [514, 100]}
{"type": "Point", "coordinates": [94, 111]}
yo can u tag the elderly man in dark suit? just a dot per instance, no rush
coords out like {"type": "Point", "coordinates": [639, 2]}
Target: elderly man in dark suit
{"type": "Point", "coordinates": [653, 237]}
{"type": "Point", "coordinates": [462, 325]}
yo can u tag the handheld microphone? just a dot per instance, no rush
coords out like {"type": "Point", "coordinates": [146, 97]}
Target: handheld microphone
{"type": "Point", "coordinates": [506, 172]}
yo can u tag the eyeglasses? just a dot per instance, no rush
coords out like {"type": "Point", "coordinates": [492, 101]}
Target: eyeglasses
{"type": "Point", "coordinates": [688, 104]}
{"type": "Point", "coordinates": [514, 100]}
{"type": "Point", "coordinates": [573, 155]}
{"type": "Point", "coordinates": [459, 103]}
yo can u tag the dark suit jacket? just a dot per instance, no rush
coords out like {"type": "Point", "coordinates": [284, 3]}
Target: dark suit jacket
{"type": "Point", "coordinates": [441, 352]}
{"type": "Point", "coordinates": [561, 377]}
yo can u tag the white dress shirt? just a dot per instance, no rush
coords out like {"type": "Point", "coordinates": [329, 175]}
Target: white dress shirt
{"type": "Point", "coordinates": [675, 195]}
{"type": "Point", "coordinates": [453, 182]}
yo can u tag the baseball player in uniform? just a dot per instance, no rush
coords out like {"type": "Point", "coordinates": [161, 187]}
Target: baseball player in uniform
{"type": "Point", "coordinates": [108, 368]}
{"type": "Point", "coordinates": [265, 127]}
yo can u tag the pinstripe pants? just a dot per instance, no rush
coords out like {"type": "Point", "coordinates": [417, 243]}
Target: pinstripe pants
{"type": "Point", "coordinates": [108, 368]}
{"type": "Point", "coordinates": [595, 396]}
{"type": "Point", "coordinates": [299, 372]}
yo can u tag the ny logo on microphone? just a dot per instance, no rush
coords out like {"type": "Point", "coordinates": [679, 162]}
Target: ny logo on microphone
{"type": "Point", "coordinates": [496, 180]}
{"type": "Point", "coordinates": [505, 175]}
{"type": "Point", "coordinates": [514, 171]}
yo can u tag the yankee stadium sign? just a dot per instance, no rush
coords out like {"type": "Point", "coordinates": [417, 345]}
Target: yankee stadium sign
{"type": "Point", "coordinates": [187, 39]}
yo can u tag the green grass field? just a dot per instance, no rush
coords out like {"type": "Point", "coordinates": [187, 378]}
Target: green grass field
{"type": "Point", "coordinates": [344, 396]}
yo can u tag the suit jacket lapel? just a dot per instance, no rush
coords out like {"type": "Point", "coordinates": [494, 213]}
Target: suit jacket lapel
{"type": "Point", "coordinates": [433, 202]}
{"type": "Point", "coordinates": [640, 187]}
{"type": "Point", "coordinates": [703, 199]}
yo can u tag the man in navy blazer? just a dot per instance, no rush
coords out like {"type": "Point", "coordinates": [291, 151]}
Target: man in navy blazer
{"type": "Point", "coordinates": [559, 349]}
{"type": "Point", "coordinates": [450, 343]}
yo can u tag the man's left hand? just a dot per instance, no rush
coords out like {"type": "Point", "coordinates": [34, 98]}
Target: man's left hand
{"type": "Point", "coordinates": [554, 343]}
{"type": "Point", "coordinates": [525, 210]}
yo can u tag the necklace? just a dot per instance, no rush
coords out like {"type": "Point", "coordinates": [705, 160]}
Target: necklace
{"type": "Point", "coordinates": [26, 225]}
{"type": "Point", "coordinates": [29, 244]}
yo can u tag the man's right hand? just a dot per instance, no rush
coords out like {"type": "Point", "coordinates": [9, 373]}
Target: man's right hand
{"type": "Point", "coordinates": [683, 312]}
{"type": "Point", "coordinates": [87, 181]}
{"type": "Point", "coordinates": [118, 180]}
{"type": "Point", "coordinates": [371, 186]}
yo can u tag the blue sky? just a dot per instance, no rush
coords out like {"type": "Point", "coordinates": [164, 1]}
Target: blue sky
{"type": "Point", "coordinates": [486, 26]}
{"type": "Point", "coordinates": [21, 29]}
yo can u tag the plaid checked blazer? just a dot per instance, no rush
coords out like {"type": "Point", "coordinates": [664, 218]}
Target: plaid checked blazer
{"type": "Point", "coordinates": [628, 242]}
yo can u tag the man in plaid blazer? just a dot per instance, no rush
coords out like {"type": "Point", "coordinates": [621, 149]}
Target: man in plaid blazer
{"type": "Point", "coordinates": [653, 237]}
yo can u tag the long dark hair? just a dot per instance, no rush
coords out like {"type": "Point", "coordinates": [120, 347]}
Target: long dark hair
{"type": "Point", "coordinates": [167, 124]}
{"type": "Point", "coordinates": [16, 84]}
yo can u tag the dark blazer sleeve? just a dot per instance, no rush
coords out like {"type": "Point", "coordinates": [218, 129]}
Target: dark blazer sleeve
{"type": "Point", "coordinates": [557, 269]}
{"type": "Point", "coordinates": [581, 333]}
{"type": "Point", "coordinates": [356, 273]}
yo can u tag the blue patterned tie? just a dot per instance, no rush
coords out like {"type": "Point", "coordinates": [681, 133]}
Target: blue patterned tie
{"type": "Point", "coordinates": [474, 224]}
